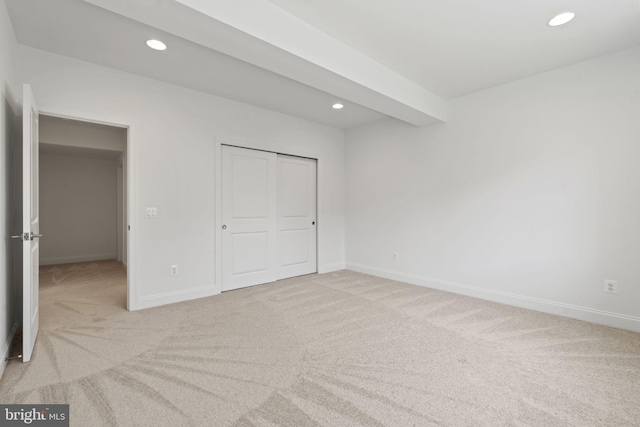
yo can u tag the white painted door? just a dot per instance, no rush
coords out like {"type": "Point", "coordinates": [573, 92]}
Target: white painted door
{"type": "Point", "coordinates": [296, 216]}
{"type": "Point", "coordinates": [30, 223]}
{"type": "Point", "coordinates": [249, 217]}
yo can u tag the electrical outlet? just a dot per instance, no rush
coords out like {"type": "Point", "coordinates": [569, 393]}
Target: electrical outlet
{"type": "Point", "coordinates": [395, 256]}
{"type": "Point", "coordinates": [173, 270]}
{"type": "Point", "coordinates": [611, 286]}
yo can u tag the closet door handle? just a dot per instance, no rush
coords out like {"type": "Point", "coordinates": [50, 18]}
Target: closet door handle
{"type": "Point", "coordinates": [224, 227]}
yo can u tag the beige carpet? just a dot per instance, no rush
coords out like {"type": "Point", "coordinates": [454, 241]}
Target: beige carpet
{"type": "Point", "coordinates": [339, 349]}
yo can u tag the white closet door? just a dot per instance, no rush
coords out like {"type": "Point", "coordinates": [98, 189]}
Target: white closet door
{"type": "Point", "coordinates": [296, 216]}
{"type": "Point", "coordinates": [249, 215]}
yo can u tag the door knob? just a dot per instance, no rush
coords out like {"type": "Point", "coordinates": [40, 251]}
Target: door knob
{"type": "Point", "coordinates": [33, 236]}
{"type": "Point", "coordinates": [313, 223]}
{"type": "Point", "coordinates": [224, 227]}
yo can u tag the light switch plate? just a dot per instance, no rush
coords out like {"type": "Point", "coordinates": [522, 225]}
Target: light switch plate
{"type": "Point", "coordinates": [152, 212]}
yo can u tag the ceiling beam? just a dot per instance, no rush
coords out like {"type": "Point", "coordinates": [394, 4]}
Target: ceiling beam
{"type": "Point", "coordinates": [260, 33]}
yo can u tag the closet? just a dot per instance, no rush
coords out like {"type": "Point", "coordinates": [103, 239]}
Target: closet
{"type": "Point", "coordinates": [268, 217]}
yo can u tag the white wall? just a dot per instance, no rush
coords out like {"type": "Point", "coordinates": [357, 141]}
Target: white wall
{"type": "Point", "coordinates": [529, 195]}
{"type": "Point", "coordinates": [172, 156]}
{"type": "Point", "coordinates": [78, 208]}
{"type": "Point", "coordinates": [8, 125]}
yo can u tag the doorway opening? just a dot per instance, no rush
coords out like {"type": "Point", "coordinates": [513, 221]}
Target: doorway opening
{"type": "Point", "coordinates": [83, 199]}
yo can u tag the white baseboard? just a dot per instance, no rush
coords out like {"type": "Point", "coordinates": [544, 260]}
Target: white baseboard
{"type": "Point", "coordinates": [7, 348]}
{"type": "Point", "coordinates": [330, 268]}
{"type": "Point", "coordinates": [173, 297]}
{"type": "Point", "coordinates": [78, 258]}
{"type": "Point", "coordinates": [600, 317]}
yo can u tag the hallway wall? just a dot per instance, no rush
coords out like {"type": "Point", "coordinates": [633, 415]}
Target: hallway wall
{"type": "Point", "coordinates": [78, 208]}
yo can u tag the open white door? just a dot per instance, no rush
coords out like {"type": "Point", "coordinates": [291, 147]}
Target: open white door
{"type": "Point", "coordinates": [296, 216]}
{"type": "Point", "coordinates": [30, 223]}
{"type": "Point", "coordinates": [249, 240]}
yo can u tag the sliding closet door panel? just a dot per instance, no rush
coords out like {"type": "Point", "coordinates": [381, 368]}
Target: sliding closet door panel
{"type": "Point", "coordinates": [249, 253]}
{"type": "Point", "coordinates": [249, 217]}
{"type": "Point", "coordinates": [294, 246]}
{"type": "Point", "coordinates": [296, 216]}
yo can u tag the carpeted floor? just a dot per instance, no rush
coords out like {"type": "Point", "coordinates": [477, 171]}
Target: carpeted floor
{"type": "Point", "coordinates": [339, 349]}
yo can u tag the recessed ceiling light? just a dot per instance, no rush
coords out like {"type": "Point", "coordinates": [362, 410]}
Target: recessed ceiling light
{"type": "Point", "coordinates": [156, 44]}
{"type": "Point", "coordinates": [561, 19]}
{"type": "Point", "coordinates": [337, 106]}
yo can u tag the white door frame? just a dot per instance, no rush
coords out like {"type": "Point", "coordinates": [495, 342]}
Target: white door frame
{"type": "Point", "coordinates": [120, 214]}
{"type": "Point", "coordinates": [129, 219]}
{"type": "Point", "coordinates": [262, 146]}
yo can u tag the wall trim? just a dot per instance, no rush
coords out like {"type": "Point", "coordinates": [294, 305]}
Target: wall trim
{"type": "Point", "coordinates": [7, 348]}
{"type": "Point", "coordinates": [174, 296]}
{"type": "Point", "coordinates": [586, 314]}
{"type": "Point", "coordinates": [330, 268]}
{"type": "Point", "coordinates": [78, 258]}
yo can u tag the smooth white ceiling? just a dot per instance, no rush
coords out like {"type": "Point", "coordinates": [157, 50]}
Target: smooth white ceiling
{"type": "Point", "coordinates": [457, 47]}
{"type": "Point", "coordinates": [420, 52]}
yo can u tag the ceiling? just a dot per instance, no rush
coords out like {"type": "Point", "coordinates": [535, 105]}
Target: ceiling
{"type": "Point", "coordinates": [401, 58]}
{"type": "Point", "coordinates": [457, 47]}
